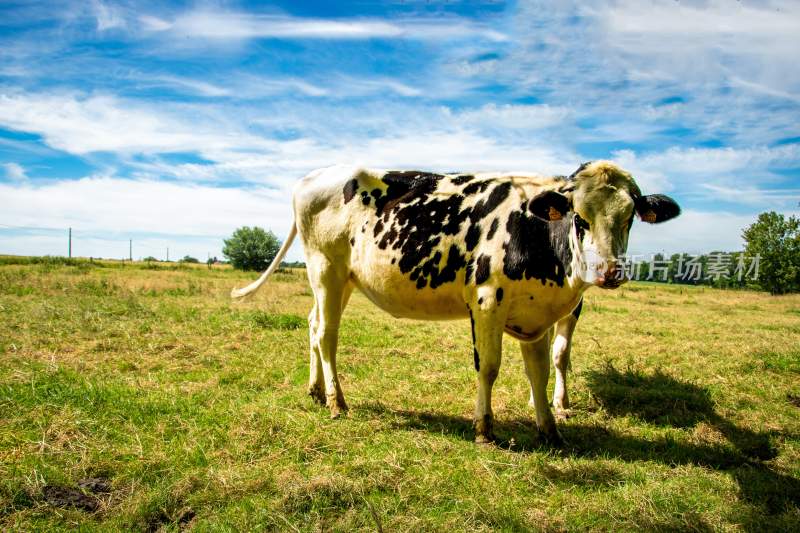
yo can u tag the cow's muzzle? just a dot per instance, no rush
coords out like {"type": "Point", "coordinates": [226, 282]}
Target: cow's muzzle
{"type": "Point", "coordinates": [611, 277]}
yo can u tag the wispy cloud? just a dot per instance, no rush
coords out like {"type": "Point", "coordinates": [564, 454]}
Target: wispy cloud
{"type": "Point", "coordinates": [83, 124]}
{"type": "Point", "coordinates": [15, 172]}
{"type": "Point", "coordinates": [233, 25]}
{"type": "Point", "coordinates": [107, 16]}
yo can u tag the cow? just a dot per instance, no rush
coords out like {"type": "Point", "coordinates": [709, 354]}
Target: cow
{"type": "Point", "coordinates": [514, 253]}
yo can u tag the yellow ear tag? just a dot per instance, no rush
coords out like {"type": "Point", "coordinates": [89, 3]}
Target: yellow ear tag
{"type": "Point", "coordinates": [554, 214]}
{"type": "Point", "coordinates": [650, 216]}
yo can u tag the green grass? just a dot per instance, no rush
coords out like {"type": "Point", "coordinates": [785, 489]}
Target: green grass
{"type": "Point", "coordinates": [189, 411]}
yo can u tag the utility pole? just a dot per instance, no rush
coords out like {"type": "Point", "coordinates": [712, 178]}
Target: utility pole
{"type": "Point", "coordinates": [167, 254]}
{"type": "Point", "coordinates": [130, 249]}
{"type": "Point", "coordinates": [70, 242]}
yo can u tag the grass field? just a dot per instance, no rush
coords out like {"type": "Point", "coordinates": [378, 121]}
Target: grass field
{"type": "Point", "coordinates": [142, 398]}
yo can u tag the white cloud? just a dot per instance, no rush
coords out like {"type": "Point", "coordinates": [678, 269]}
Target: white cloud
{"type": "Point", "coordinates": [700, 170]}
{"type": "Point", "coordinates": [198, 87]}
{"type": "Point", "coordinates": [752, 195]}
{"type": "Point", "coordinates": [233, 25]}
{"type": "Point", "coordinates": [706, 19]}
{"type": "Point", "coordinates": [104, 212]}
{"type": "Point", "coordinates": [514, 116]}
{"type": "Point", "coordinates": [107, 16]}
{"type": "Point", "coordinates": [81, 125]}
{"type": "Point", "coordinates": [15, 172]}
{"type": "Point", "coordinates": [152, 23]}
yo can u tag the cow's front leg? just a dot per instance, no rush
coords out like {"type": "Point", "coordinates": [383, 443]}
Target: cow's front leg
{"type": "Point", "coordinates": [562, 347]}
{"type": "Point", "coordinates": [536, 356]}
{"type": "Point", "coordinates": [487, 340]}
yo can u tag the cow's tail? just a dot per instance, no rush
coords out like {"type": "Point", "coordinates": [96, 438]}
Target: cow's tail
{"type": "Point", "coordinates": [253, 287]}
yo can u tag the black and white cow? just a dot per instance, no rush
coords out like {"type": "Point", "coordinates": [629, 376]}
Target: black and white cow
{"type": "Point", "coordinates": [513, 253]}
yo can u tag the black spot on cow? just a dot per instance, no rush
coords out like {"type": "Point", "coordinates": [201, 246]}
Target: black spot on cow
{"type": "Point", "coordinates": [394, 260]}
{"type": "Point", "coordinates": [473, 236]}
{"type": "Point", "coordinates": [461, 180]}
{"type": "Point", "coordinates": [413, 221]}
{"type": "Point", "coordinates": [376, 193]}
{"type": "Point", "coordinates": [475, 187]}
{"type": "Point", "coordinates": [537, 249]}
{"type": "Point", "coordinates": [405, 187]}
{"type": "Point", "coordinates": [577, 311]}
{"type": "Point", "coordinates": [482, 270]}
{"type": "Point", "coordinates": [480, 300]}
{"type": "Point", "coordinates": [468, 271]}
{"type": "Point", "coordinates": [475, 355]}
{"type": "Point", "coordinates": [350, 190]}
{"type": "Point", "coordinates": [485, 207]}
{"type": "Point", "coordinates": [429, 270]}
{"type": "Point", "coordinates": [365, 198]}
{"type": "Point", "coordinates": [378, 227]}
{"type": "Point", "coordinates": [581, 227]}
{"type": "Point", "coordinates": [352, 241]}
{"type": "Point", "coordinates": [499, 294]}
{"type": "Point", "coordinates": [492, 229]}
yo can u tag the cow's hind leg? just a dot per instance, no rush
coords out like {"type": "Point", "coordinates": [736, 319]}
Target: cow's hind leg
{"type": "Point", "coordinates": [562, 346]}
{"type": "Point", "coordinates": [330, 285]}
{"type": "Point", "coordinates": [316, 380]}
{"type": "Point", "coordinates": [316, 376]}
{"type": "Point", "coordinates": [536, 356]}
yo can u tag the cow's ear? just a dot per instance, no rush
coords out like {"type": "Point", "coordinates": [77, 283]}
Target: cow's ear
{"type": "Point", "coordinates": [655, 208]}
{"type": "Point", "coordinates": [550, 205]}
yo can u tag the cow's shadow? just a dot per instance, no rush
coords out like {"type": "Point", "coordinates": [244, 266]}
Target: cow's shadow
{"type": "Point", "coordinates": [656, 399]}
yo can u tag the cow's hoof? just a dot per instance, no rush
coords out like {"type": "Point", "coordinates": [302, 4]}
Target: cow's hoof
{"type": "Point", "coordinates": [317, 395]}
{"type": "Point", "coordinates": [337, 405]}
{"type": "Point", "coordinates": [483, 430]}
{"type": "Point", "coordinates": [484, 440]}
{"type": "Point", "coordinates": [554, 439]}
{"type": "Point", "coordinates": [562, 414]}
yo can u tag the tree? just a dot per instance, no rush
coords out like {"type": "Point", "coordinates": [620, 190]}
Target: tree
{"type": "Point", "coordinates": [251, 248]}
{"type": "Point", "coordinates": [149, 259]}
{"type": "Point", "coordinates": [776, 241]}
{"type": "Point", "coordinates": [189, 259]}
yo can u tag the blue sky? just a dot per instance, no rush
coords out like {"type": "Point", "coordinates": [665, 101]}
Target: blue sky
{"type": "Point", "coordinates": [174, 125]}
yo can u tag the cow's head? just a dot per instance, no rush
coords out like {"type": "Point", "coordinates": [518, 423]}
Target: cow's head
{"type": "Point", "coordinates": [604, 200]}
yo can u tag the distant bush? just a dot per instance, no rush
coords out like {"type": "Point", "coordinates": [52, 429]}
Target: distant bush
{"type": "Point", "coordinates": [776, 240]}
{"type": "Point", "coordinates": [150, 259]}
{"type": "Point", "coordinates": [189, 259]}
{"type": "Point", "coordinates": [251, 248]}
